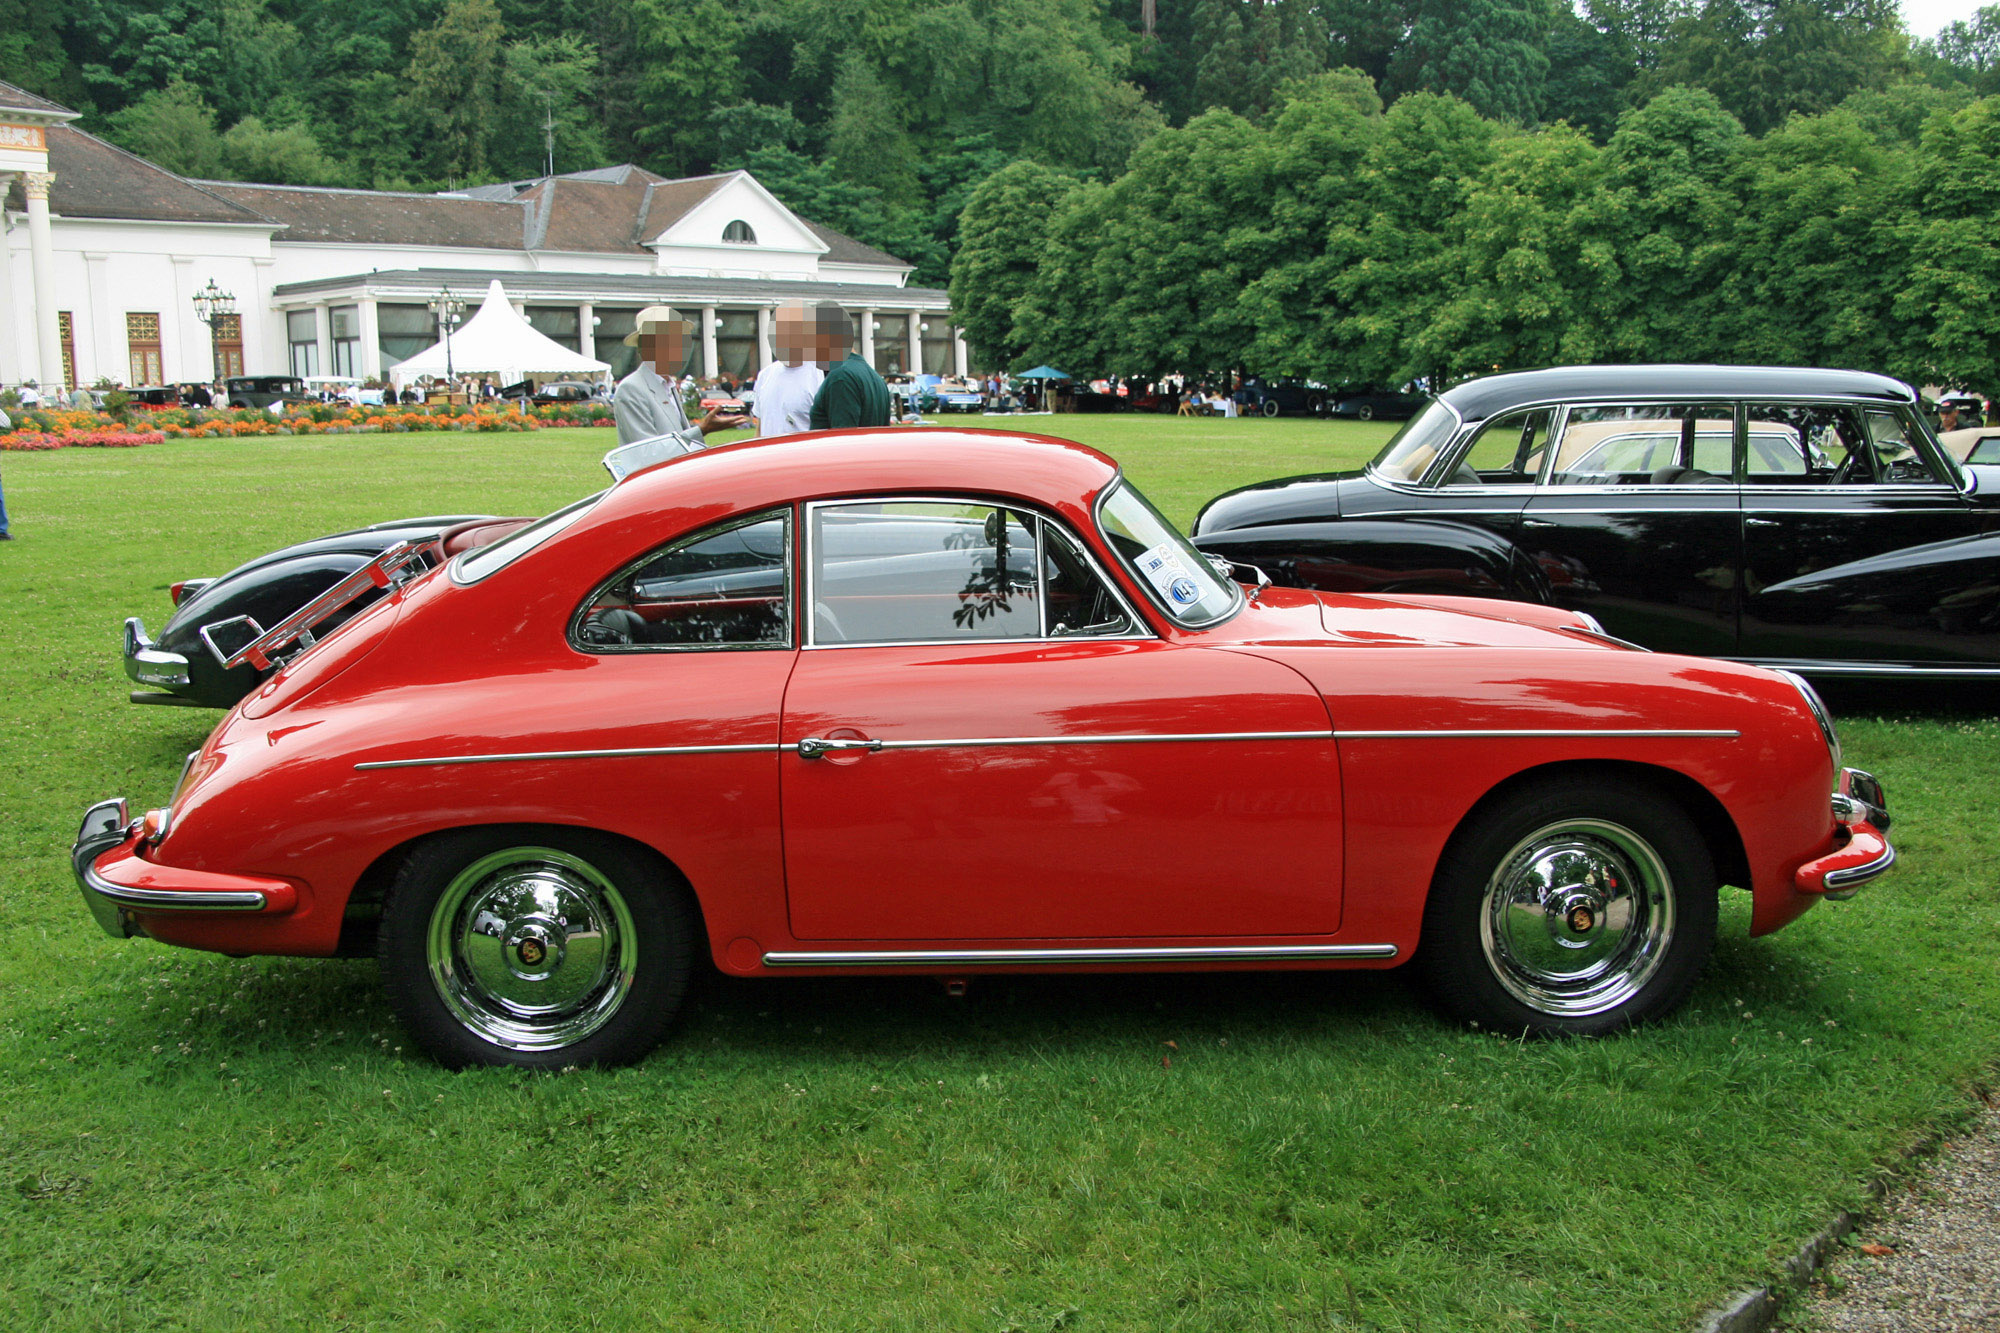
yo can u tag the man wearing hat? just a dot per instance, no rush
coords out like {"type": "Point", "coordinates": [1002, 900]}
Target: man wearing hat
{"type": "Point", "coordinates": [648, 403]}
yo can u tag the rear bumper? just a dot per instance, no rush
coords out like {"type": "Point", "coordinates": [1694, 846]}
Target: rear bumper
{"type": "Point", "coordinates": [1861, 814]}
{"type": "Point", "coordinates": [120, 888]}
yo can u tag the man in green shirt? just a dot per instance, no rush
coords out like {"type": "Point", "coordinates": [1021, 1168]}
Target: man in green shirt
{"type": "Point", "coordinates": [852, 394]}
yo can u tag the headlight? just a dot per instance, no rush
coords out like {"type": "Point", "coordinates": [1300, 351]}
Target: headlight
{"type": "Point", "coordinates": [1820, 715]}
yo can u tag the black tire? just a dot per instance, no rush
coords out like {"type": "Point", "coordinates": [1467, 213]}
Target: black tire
{"type": "Point", "coordinates": [1316, 405]}
{"type": "Point", "coordinates": [544, 993]}
{"type": "Point", "coordinates": [1366, 412]}
{"type": "Point", "coordinates": [1571, 958]}
{"type": "Point", "coordinates": [1271, 408]}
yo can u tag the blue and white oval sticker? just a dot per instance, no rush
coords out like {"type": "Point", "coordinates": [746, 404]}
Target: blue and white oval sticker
{"type": "Point", "coordinates": [1164, 569]}
{"type": "Point", "coordinates": [1183, 591]}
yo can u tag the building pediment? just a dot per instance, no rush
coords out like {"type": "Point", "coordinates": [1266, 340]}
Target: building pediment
{"type": "Point", "coordinates": [737, 213]}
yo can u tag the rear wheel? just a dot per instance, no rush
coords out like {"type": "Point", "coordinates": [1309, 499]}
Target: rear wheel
{"type": "Point", "coordinates": [535, 947]}
{"type": "Point", "coordinates": [1271, 408]}
{"type": "Point", "coordinates": [1571, 907]}
{"type": "Point", "coordinates": [1366, 412]}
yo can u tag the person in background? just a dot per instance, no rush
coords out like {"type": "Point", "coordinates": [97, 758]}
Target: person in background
{"type": "Point", "coordinates": [6, 424]}
{"type": "Point", "coordinates": [648, 401]}
{"type": "Point", "coordinates": [852, 393]}
{"type": "Point", "coordinates": [30, 396]}
{"type": "Point", "coordinates": [79, 399]}
{"type": "Point", "coordinates": [782, 397]}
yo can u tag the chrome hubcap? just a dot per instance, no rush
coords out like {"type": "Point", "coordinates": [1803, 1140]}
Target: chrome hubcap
{"type": "Point", "coordinates": [531, 948]}
{"type": "Point", "coordinates": [1577, 918]}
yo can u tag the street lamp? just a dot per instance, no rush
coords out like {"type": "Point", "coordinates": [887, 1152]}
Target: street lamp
{"type": "Point", "coordinates": [447, 310]}
{"type": "Point", "coordinates": [210, 302]}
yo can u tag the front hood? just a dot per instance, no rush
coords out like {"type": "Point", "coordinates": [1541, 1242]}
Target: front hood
{"type": "Point", "coordinates": [1315, 497]}
{"type": "Point", "coordinates": [1370, 621]}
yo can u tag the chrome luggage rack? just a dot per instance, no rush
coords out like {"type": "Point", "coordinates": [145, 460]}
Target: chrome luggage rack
{"type": "Point", "coordinates": [264, 648]}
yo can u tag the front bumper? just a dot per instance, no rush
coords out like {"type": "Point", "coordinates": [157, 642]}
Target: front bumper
{"type": "Point", "coordinates": [120, 887]}
{"type": "Point", "coordinates": [1861, 812]}
{"type": "Point", "coordinates": [149, 664]}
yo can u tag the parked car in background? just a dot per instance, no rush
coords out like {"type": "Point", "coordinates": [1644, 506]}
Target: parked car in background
{"type": "Point", "coordinates": [264, 390]}
{"type": "Point", "coordinates": [155, 397]}
{"type": "Point", "coordinates": [1804, 518]}
{"type": "Point", "coordinates": [316, 584]}
{"type": "Point", "coordinates": [1298, 397]}
{"type": "Point", "coordinates": [1369, 404]}
{"type": "Point", "coordinates": [953, 703]}
{"type": "Point", "coordinates": [555, 391]}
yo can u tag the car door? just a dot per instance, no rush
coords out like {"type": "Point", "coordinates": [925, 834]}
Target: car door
{"type": "Point", "coordinates": [985, 742]}
{"type": "Point", "coordinates": [1859, 546]}
{"type": "Point", "coordinates": [1635, 521]}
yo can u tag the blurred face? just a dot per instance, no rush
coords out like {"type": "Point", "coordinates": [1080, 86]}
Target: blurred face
{"type": "Point", "coordinates": [665, 346]}
{"type": "Point", "coordinates": [829, 338]}
{"type": "Point", "coordinates": [792, 342]}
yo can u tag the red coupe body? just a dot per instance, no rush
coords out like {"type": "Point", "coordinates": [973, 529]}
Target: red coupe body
{"type": "Point", "coordinates": [1274, 788]}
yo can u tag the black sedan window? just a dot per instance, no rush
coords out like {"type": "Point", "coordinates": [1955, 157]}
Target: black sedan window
{"type": "Point", "coordinates": [1645, 444]}
{"type": "Point", "coordinates": [1507, 451]}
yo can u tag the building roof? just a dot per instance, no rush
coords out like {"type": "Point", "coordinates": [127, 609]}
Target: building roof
{"type": "Point", "coordinates": [846, 250]}
{"type": "Point", "coordinates": [314, 214]}
{"type": "Point", "coordinates": [20, 99]}
{"type": "Point", "coordinates": [619, 288]}
{"type": "Point", "coordinates": [94, 179]}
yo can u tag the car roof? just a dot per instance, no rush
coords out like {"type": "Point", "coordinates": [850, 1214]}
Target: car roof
{"type": "Point", "coordinates": [764, 472]}
{"type": "Point", "coordinates": [1480, 398]}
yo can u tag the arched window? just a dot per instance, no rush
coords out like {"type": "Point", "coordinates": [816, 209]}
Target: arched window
{"type": "Point", "coordinates": [739, 232]}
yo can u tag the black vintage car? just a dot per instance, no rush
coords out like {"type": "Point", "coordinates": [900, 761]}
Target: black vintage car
{"type": "Point", "coordinates": [263, 390]}
{"type": "Point", "coordinates": [1368, 404]}
{"type": "Point", "coordinates": [1806, 518]}
{"type": "Point", "coordinates": [316, 586]}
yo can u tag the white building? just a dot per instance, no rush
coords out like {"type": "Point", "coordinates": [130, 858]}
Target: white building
{"type": "Point", "coordinates": [102, 253]}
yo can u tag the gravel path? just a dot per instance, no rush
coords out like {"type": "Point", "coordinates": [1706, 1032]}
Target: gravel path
{"type": "Point", "coordinates": [1944, 1229]}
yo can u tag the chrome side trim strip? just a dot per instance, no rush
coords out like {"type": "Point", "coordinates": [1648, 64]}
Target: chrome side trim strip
{"type": "Point", "coordinates": [1221, 953]}
{"type": "Point", "coordinates": [166, 900]}
{"type": "Point", "coordinates": [995, 742]}
{"type": "Point", "coordinates": [1546, 733]}
{"type": "Point", "coordinates": [1869, 668]}
{"type": "Point", "coordinates": [637, 752]}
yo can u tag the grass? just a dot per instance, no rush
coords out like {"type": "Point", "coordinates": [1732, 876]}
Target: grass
{"type": "Point", "coordinates": [194, 1142]}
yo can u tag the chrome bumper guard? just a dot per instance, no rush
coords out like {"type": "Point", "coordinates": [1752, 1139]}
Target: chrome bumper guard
{"type": "Point", "coordinates": [108, 824]}
{"type": "Point", "coordinates": [149, 664]}
{"type": "Point", "coordinates": [1860, 804]}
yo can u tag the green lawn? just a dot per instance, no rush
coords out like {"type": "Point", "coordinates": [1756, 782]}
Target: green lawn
{"type": "Point", "coordinates": [192, 1142]}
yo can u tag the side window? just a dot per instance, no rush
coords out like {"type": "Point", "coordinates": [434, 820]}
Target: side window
{"type": "Point", "coordinates": [933, 571]}
{"type": "Point", "coordinates": [1892, 445]}
{"type": "Point", "coordinates": [1804, 444]}
{"type": "Point", "coordinates": [1507, 451]}
{"type": "Point", "coordinates": [1645, 444]}
{"type": "Point", "coordinates": [724, 587]}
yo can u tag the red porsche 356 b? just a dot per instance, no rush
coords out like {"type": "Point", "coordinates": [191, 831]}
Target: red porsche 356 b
{"type": "Point", "coordinates": [961, 702]}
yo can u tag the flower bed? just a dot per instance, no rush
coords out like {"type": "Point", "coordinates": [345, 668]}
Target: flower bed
{"type": "Point", "coordinates": [67, 429]}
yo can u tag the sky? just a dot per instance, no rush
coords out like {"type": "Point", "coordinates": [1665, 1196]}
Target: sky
{"type": "Point", "coordinates": [1924, 17]}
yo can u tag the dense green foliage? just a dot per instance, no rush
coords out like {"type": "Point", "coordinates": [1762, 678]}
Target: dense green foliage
{"type": "Point", "coordinates": [195, 1143]}
{"type": "Point", "coordinates": [879, 116]}
{"type": "Point", "coordinates": [1336, 240]}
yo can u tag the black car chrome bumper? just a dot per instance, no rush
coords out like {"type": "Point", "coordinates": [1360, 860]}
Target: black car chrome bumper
{"type": "Point", "coordinates": [148, 663]}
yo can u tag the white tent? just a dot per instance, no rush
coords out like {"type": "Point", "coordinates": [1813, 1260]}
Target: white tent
{"type": "Point", "coordinates": [497, 340]}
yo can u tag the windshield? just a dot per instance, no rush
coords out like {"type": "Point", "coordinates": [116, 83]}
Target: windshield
{"type": "Point", "coordinates": [1178, 576]}
{"type": "Point", "coordinates": [476, 565]}
{"type": "Point", "coordinates": [1411, 450]}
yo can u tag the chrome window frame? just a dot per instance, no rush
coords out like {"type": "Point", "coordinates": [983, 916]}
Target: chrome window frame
{"type": "Point", "coordinates": [1237, 600]}
{"type": "Point", "coordinates": [809, 551]}
{"type": "Point", "coordinates": [785, 511]}
{"type": "Point", "coordinates": [527, 539]}
{"type": "Point", "coordinates": [1453, 445]}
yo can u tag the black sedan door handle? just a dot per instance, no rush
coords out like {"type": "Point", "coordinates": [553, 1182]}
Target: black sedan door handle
{"type": "Point", "coordinates": [1761, 523]}
{"type": "Point", "coordinates": [1538, 523]}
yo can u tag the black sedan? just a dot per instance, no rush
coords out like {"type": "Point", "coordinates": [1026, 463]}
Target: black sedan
{"type": "Point", "coordinates": [1806, 518]}
{"type": "Point", "coordinates": [1368, 404]}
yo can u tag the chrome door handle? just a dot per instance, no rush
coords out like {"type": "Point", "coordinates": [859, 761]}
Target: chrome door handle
{"type": "Point", "coordinates": [1538, 523]}
{"type": "Point", "coordinates": [1762, 523]}
{"type": "Point", "coordinates": [812, 747]}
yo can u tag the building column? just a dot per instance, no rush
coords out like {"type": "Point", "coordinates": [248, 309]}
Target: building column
{"type": "Point", "coordinates": [183, 359]}
{"type": "Point", "coordinates": [323, 336]}
{"type": "Point", "coordinates": [586, 330]}
{"type": "Point", "coordinates": [914, 358]}
{"type": "Point", "coordinates": [868, 337]}
{"type": "Point", "coordinates": [10, 332]}
{"type": "Point", "coordinates": [764, 353]}
{"type": "Point", "coordinates": [254, 305]}
{"type": "Point", "coordinates": [371, 340]}
{"type": "Point", "coordinates": [101, 350]}
{"type": "Point", "coordinates": [960, 354]}
{"type": "Point", "coordinates": [42, 254]}
{"type": "Point", "coordinates": [708, 358]}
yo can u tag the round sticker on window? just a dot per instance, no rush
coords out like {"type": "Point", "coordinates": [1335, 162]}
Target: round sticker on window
{"type": "Point", "coordinates": [1183, 591]}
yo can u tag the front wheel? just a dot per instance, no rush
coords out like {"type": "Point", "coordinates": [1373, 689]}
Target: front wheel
{"type": "Point", "coordinates": [1270, 407]}
{"type": "Point", "coordinates": [536, 948]}
{"type": "Point", "coordinates": [1571, 907]}
{"type": "Point", "coordinates": [1365, 412]}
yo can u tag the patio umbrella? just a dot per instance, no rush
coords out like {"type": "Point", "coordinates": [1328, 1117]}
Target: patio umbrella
{"type": "Point", "coordinates": [1042, 373]}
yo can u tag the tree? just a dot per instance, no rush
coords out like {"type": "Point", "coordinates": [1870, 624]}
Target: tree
{"type": "Point", "coordinates": [174, 127]}
{"type": "Point", "coordinates": [1003, 242]}
{"type": "Point", "coordinates": [1767, 59]}
{"type": "Point", "coordinates": [1248, 49]}
{"type": "Point", "coordinates": [866, 143]}
{"type": "Point", "coordinates": [280, 155]}
{"type": "Point", "coordinates": [1487, 52]}
{"type": "Point", "coordinates": [1588, 73]}
{"type": "Point", "coordinates": [1950, 301]}
{"type": "Point", "coordinates": [544, 79]}
{"type": "Point", "coordinates": [685, 65]}
{"type": "Point", "coordinates": [453, 79]}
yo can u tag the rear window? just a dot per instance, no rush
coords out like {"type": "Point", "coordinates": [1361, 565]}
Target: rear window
{"type": "Point", "coordinates": [476, 565]}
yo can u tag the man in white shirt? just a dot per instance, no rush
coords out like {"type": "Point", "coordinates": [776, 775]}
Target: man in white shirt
{"type": "Point", "coordinates": [783, 394]}
{"type": "Point", "coordinates": [648, 403]}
